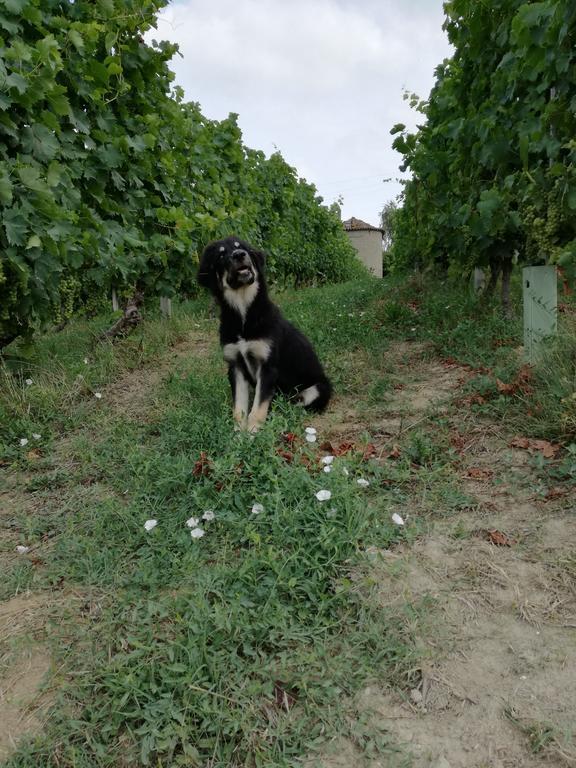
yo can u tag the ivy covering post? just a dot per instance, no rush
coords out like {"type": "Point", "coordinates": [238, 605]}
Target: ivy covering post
{"type": "Point", "coordinates": [494, 172]}
{"type": "Point", "coordinates": [108, 178]}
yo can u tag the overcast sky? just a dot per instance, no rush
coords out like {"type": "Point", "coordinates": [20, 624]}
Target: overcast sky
{"type": "Point", "coordinates": [320, 80]}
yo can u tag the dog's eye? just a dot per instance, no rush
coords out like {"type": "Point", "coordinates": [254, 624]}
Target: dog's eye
{"type": "Point", "coordinates": [221, 249]}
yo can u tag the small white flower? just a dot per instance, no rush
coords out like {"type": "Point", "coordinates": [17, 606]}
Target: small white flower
{"type": "Point", "coordinates": [310, 431]}
{"type": "Point", "coordinates": [412, 329]}
{"type": "Point", "coordinates": [98, 395]}
{"type": "Point", "coordinates": [23, 441]}
{"type": "Point", "coordinates": [397, 519]}
{"type": "Point", "coordinates": [208, 515]}
{"type": "Point", "coordinates": [22, 550]}
{"type": "Point", "coordinates": [85, 361]}
{"type": "Point", "coordinates": [327, 459]}
{"type": "Point", "coordinates": [192, 522]}
{"type": "Point", "coordinates": [197, 533]}
{"type": "Point", "coordinates": [36, 436]}
{"type": "Point", "coordinates": [28, 382]}
{"type": "Point", "coordinates": [257, 509]}
{"type": "Point", "coordinates": [149, 524]}
{"type": "Point", "coordinates": [327, 468]}
{"type": "Point", "coordinates": [362, 482]}
{"type": "Point", "coordinates": [311, 438]}
{"type": "Point", "coordinates": [323, 495]}
{"type": "Point", "coordinates": [345, 471]}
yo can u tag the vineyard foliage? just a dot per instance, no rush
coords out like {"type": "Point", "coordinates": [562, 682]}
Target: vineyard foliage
{"type": "Point", "coordinates": [494, 175]}
{"type": "Point", "coordinates": [108, 178]}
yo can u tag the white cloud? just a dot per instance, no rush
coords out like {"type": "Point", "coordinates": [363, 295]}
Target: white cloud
{"type": "Point", "coordinates": [321, 81]}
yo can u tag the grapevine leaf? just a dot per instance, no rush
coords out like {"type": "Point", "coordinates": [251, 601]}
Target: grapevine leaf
{"type": "Point", "coordinates": [15, 225]}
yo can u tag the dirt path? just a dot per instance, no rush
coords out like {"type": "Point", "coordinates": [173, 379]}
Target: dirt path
{"type": "Point", "coordinates": [497, 688]}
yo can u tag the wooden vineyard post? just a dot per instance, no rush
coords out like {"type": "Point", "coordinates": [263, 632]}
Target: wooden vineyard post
{"type": "Point", "coordinates": [540, 293]}
{"type": "Point", "coordinates": [166, 306]}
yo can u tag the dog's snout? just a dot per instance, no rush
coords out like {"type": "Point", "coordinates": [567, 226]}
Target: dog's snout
{"type": "Point", "coordinates": [240, 255]}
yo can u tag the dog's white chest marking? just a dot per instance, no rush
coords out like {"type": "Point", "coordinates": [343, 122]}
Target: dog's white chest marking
{"type": "Point", "coordinates": [240, 298]}
{"type": "Point", "coordinates": [253, 349]}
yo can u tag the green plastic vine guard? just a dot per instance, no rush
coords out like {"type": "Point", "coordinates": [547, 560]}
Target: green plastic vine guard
{"type": "Point", "coordinates": [540, 293]}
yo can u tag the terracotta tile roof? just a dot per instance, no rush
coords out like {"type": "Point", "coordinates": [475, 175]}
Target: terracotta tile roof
{"type": "Point", "coordinates": [358, 225]}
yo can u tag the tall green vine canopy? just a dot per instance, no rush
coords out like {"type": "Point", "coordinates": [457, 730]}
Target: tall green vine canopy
{"type": "Point", "coordinates": [108, 178]}
{"type": "Point", "coordinates": [493, 165]}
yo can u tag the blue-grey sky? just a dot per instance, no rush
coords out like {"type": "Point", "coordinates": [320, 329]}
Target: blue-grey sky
{"type": "Point", "coordinates": [320, 80]}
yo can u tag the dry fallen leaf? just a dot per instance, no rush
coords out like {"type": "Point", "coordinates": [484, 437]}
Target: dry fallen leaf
{"type": "Point", "coordinates": [547, 449]}
{"type": "Point", "coordinates": [202, 467]}
{"type": "Point", "coordinates": [477, 473]}
{"type": "Point", "coordinates": [284, 697]}
{"type": "Point", "coordinates": [495, 537]}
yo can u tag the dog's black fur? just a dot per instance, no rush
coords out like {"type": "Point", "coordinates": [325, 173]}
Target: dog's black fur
{"type": "Point", "coordinates": [262, 348]}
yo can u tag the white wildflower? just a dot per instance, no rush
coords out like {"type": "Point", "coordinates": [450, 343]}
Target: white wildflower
{"type": "Point", "coordinates": [28, 382]}
{"type": "Point", "coordinates": [362, 482]}
{"type": "Point", "coordinates": [310, 431]}
{"type": "Point", "coordinates": [36, 436]}
{"type": "Point", "coordinates": [327, 468]}
{"type": "Point", "coordinates": [192, 522]}
{"type": "Point", "coordinates": [149, 524]}
{"type": "Point", "coordinates": [98, 395]}
{"type": "Point", "coordinates": [397, 519]}
{"type": "Point", "coordinates": [345, 471]}
{"type": "Point", "coordinates": [22, 550]}
{"type": "Point", "coordinates": [85, 361]}
{"type": "Point", "coordinates": [327, 459]}
{"type": "Point", "coordinates": [311, 438]}
{"type": "Point", "coordinates": [257, 509]}
{"type": "Point", "coordinates": [323, 495]}
{"type": "Point", "coordinates": [23, 441]}
{"type": "Point", "coordinates": [197, 533]}
{"type": "Point", "coordinates": [208, 515]}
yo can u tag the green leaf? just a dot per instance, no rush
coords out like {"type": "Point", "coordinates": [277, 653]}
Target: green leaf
{"type": "Point", "coordinates": [59, 103]}
{"type": "Point", "coordinates": [15, 80]}
{"type": "Point", "coordinates": [30, 176]}
{"type": "Point", "coordinates": [5, 190]}
{"type": "Point", "coordinates": [33, 242]}
{"type": "Point", "coordinates": [10, 26]}
{"type": "Point", "coordinates": [54, 174]}
{"type": "Point", "coordinates": [48, 49]}
{"type": "Point", "coordinates": [15, 6]}
{"type": "Point", "coordinates": [571, 199]}
{"type": "Point", "coordinates": [76, 39]}
{"type": "Point", "coordinates": [40, 141]}
{"type": "Point", "coordinates": [15, 225]}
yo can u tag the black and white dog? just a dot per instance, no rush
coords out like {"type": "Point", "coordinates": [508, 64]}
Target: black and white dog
{"type": "Point", "coordinates": [263, 350]}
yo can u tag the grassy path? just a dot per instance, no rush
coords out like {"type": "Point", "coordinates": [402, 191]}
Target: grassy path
{"type": "Point", "coordinates": [311, 633]}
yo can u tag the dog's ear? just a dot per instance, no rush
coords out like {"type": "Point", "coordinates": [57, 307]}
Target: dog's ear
{"type": "Point", "coordinates": [207, 268]}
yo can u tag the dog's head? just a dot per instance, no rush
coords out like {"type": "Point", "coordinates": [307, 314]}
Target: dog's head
{"type": "Point", "coordinates": [230, 264]}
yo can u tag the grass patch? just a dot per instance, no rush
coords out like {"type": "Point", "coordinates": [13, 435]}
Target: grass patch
{"type": "Point", "coordinates": [240, 648]}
